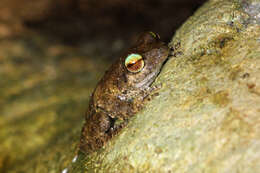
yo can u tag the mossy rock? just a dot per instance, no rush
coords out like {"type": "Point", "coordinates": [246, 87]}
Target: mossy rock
{"type": "Point", "coordinates": [206, 117]}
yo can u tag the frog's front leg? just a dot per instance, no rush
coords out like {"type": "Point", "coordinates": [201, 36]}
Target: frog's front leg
{"type": "Point", "coordinates": [144, 95]}
{"type": "Point", "coordinates": [149, 92]}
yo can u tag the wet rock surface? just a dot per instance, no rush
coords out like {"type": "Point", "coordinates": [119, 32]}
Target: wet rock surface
{"type": "Point", "coordinates": [206, 117]}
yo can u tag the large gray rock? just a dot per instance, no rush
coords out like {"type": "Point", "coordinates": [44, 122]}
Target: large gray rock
{"type": "Point", "coordinates": [207, 115]}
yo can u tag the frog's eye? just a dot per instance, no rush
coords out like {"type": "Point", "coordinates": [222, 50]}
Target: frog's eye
{"type": "Point", "coordinates": [134, 63]}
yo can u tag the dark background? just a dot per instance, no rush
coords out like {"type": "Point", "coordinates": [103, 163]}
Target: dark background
{"type": "Point", "coordinates": [75, 22]}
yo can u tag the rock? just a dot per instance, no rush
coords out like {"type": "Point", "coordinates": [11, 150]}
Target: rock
{"type": "Point", "coordinates": [25, 10]}
{"type": "Point", "coordinates": [206, 117]}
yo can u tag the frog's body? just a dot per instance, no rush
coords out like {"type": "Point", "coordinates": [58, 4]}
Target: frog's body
{"type": "Point", "coordinates": [121, 92]}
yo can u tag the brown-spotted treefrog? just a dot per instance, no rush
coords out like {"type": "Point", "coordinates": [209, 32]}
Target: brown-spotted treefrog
{"type": "Point", "coordinates": [122, 91]}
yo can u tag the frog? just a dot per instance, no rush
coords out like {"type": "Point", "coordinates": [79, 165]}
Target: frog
{"type": "Point", "coordinates": [123, 91]}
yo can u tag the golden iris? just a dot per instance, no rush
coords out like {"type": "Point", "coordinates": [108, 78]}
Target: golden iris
{"type": "Point", "coordinates": [134, 63]}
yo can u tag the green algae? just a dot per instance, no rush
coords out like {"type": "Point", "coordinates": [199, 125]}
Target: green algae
{"type": "Point", "coordinates": [42, 103]}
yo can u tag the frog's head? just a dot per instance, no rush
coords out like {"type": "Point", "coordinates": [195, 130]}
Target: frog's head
{"type": "Point", "coordinates": [144, 61]}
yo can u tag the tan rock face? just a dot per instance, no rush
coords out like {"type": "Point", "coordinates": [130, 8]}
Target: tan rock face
{"type": "Point", "coordinates": [206, 117]}
{"type": "Point", "coordinates": [13, 14]}
{"type": "Point", "coordinates": [24, 10]}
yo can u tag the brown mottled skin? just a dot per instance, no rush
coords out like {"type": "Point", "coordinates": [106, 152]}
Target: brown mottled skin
{"type": "Point", "coordinates": [120, 93]}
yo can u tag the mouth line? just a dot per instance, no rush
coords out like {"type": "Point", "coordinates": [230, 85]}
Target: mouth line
{"type": "Point", "coordinates": [148, 80]}
{"type": "Point", "coordinates": [159, 71]}
{"type": "Point", "coordinates": [152, 77]}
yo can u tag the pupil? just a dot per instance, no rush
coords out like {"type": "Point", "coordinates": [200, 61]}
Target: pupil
{"type": "Point", "coordinates": [134, 65]}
